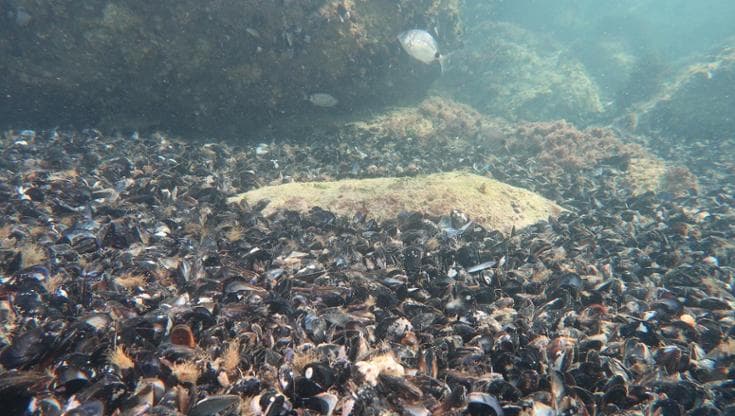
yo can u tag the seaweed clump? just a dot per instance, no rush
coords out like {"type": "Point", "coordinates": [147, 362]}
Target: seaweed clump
{"type": "Point", "coordinates": [554, 150]}
{"type": "Point", "coordinates": [435, 117]}
{"type": "Point", "coordinates": [559, 145]}
{"type": "Point", "coordinates": [678, 180]}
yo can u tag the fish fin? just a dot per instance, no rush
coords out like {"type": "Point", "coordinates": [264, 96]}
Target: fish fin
{"type": "Point", "coordinates": [444, 61]}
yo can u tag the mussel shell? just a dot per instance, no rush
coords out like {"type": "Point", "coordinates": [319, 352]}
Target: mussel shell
{"type": "Point", "coordinates": [30, 301]}
{"type": "Point", "coordinates": [686, 393]}
{"type": "Point", "coordinates": [710, 333]}
{"type": "Point", "coordinates": [213, 405]}
{"type": "Point", "coordinates": [724, 393]}
{"type": "Point", "coordinates": [393, 328]}
{"type": "Point", "coordinates": [47, 406]}
{"type": "Point", "coordinates": [271, 403]}
{"type": "Point", "coordinates": [108, 388]}
{"type": "Point", "coordinates": [714, 304]}
{"type": "Point", "coordinates": [147, 364]}
{"type": "Point", "coordinates": [96, 321]}
{"type": "Point", "coordinates": [399, 387]}
{"type": "Point", "coordinates": [70, 379]}
{"type": "Point", "coordinates": [672, 358]}
{"type": "Point", "coordinates": [17, 389]}
{"type": "Point", "coordinates": [246, 387]}
{"type": "Point", "coordinates": [503, 390]}
{"type": "Point", "coordinates": [483, 404]}
{"type": "Point", "coordinates": [616, 392]}
{"type": "Point", "coordinates": [315, 327]}
{"type": "Point", "coordinates": [644, 331]}
{"type": "Point", "coordinates": [666, 407]}
{"type": "Point", "coordinates": [705, 410]}
{"type": "Point", "coordinates": [323, 403]}
{"type": "Point", "coordinates": [181, 334]}
{"type": "Point", "coordinates": [528, 381]}
{"type": "Point", "coordinates": [317, 378]}
{"type": "Point", "coordinates": [93, 408]}
{"type": "Point", "coordinates": [27, 349]}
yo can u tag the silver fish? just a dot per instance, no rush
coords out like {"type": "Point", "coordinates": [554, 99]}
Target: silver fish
{"type": "Point", "coordinates": [321, 99]}
{"type": "Point", "coordinates": [482, 266]}
{"type": "Point", "coordinates": [421, 46]}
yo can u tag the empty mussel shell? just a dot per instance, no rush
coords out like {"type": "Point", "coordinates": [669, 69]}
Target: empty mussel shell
{"type": "Point", "coordinates": [213, 405]}
{"type": "Point", "coordinates": [181, 335]}
{"type": "Point", "coordinates": [317, 378]}
{"type": "Point", "coordinates": [324, 403]}
{"type": "Point", "coordinates": [483, 404]}
{"type": "Point", "coordinates": [93, 408]}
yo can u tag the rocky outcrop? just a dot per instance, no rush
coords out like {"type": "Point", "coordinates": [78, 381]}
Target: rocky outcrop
{"type": "Point", "coordinates": [207, 68]}
{"type": "Point", "coordinates": [698, 104]}
{"type": "Point", "coordinates": [504, 70]}
{"type": "Point", "coordinates": [488, 202]}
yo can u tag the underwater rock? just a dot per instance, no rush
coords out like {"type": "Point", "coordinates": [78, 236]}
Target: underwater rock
{"type": "Point", "coordinates": [698, 104]}
{"type": "Point", "coordinates": [506, 71]}
{"type": "Point", "coordinates": [559, 149]}
{"type": "Point", "coordinates": [433, 118]}
{"type": "Point", "coordinates": [199, 67]}
{"type": "Point", "coordinates": [488, 202]}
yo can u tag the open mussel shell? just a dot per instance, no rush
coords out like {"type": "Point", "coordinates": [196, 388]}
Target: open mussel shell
{"type": "Point", "coordinates": [483, 404]}
{"type": "Point", "coordinates": [27, 349]}
{"type": "Point", "coordinates": [108, 388]}
{"type": "Point", "coordinates": [181, 334]}
{"type": "Point", "coordinates": [246, 387]}
{"type": "Point", "coordinates": [324, 403]}
{"type": "Point", "coordinates": [415, 410]}
{"type": "Point", "coordinates": [70, 378]}
{"type": "Point", "coordinates": [92, 408]}
{"type": "Point", "coordinates": [315, 327]}
{"type": "Point", "coordinates": [47, 406]}
{"type": "Point", "coordinates": [97, 321]}
{"type": "Point", "coordinates": [17, 389]}
{"type": "Point", "coordinates": [673, 358]}
{"type": "Point", "coordinates": [503, 390]}
{"type": "Point", "coordinates": [270, 403]}
{"type": "Point", "coordinates": [686, 393]}
{"type": "Point", "coordinates": [316, 378]}
{"type": "Point", "coordinates": [667, 407]}
{"type": "Point", "coordinates": [400, 387]}
{"type": "Point", "coordinates": [214, 405]}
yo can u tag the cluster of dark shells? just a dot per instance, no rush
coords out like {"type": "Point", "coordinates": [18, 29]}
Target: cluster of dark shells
{"type": "Point", "coordinates": [130, 286]}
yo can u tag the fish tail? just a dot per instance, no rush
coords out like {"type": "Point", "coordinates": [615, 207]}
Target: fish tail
{"type": "Point", "coordinates": [443, 61]}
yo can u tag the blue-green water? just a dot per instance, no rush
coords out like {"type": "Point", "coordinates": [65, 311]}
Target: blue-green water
{"type": "Point", "coordinates": [512, 208]}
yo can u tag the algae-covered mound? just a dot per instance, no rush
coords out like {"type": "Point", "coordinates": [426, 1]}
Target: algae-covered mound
{"type": "Point", "coordinates": [509, 72]}
{"type": "Point", "coordinates": [492, 204]}
{"type": "Point", "coordinates": [646, 174]}
{"type": "Point", "coordinates": [434, 117]}
{"type": "Point", "coordinates": [698, 104]}
{"type": "Point", "coordinates": [559, 148]}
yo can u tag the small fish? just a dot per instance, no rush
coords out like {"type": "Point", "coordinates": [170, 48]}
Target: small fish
{"type": "Point", "coordinates": [262, 149]}
{"type": "Point", "coordinates": [421, 46]}
{"type": "Point", "coordinates": [252, 32]}
{"type": "Point", "coordinates": [482, 266]}
{"type": "Point", "coordinates": [321, 99]}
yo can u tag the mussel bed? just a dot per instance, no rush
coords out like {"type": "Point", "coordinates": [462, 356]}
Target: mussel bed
{"type": "Point", "coordinates": [130, 286]}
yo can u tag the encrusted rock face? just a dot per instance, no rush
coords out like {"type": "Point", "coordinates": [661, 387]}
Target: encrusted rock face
{"type": "Point", "coordinates": [506, 71]}
{"type": "Point", "coordinates": [213, 67]}
{"type": "Point", "coordinates": [697, 105]}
